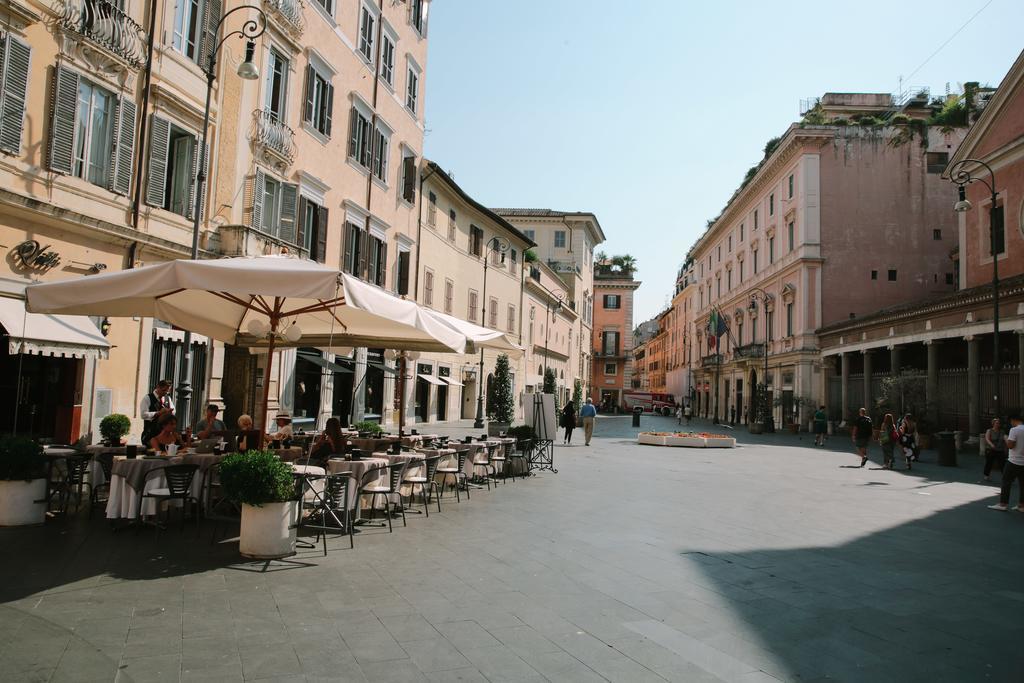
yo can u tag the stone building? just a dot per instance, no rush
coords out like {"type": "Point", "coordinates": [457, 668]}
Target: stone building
{"type": "Point", "coordinates": [613, 365]}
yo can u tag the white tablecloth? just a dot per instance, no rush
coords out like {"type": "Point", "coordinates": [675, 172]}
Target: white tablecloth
{"type": "Point", "coordinates": [124, 500]}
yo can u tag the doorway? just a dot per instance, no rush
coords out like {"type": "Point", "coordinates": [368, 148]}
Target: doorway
{"type": "Point", "coordinates": [47, 403]}
{"type": "Point", "coordinates": [422, 400]}
{"type": "Point", "coordinates": [469, 399]}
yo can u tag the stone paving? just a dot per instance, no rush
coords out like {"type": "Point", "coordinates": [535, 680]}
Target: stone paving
{"type": "Point", "coordinates": [772, 561]}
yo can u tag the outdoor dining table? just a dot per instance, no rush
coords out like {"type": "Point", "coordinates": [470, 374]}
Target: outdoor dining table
{"type": "Point", "coordinates": [128, 482]}
{"type": "Point", "coordinates": [372, 445]}
{"type": "Point", "coordinates": [358, 468]}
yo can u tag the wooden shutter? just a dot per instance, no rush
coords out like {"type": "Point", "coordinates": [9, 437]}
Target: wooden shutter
{"type": "Point", "coordinates": [211, 19]}
{"type": "Point", "coordinates": [14, 65]}
{"type": "Point", "coordinates": [62, 126]}
{"type": "Point", "coordinates": [349, 237]}
{"type": "Point", "coordinates": [403, 272]}
{"type": "Point", "coordinates": [159, 149]}
{"type": "Point", "coordinates": [122, 152]}
{"type": "Point", "coordinates": [307, 111]}
{"type": "Point", "coordinates": [382, 266]}
{"type": "Point", "coordinates": [206, 181]}
{"type": "Point", "coordinates": [329, 115]}
{"type": "Point", "coordinates": [300, 225]}
{"type": "Point", "coordinates": [321, 234]}
{"type": "Point", "coordinates": [255, 199]}
{"type": "Point", "coordinates": [409, 186]}
{"type": "Point", "coordinates": [289, 197]}
{"type": "Point", "coordinates": [197, 160]}
{"type": "Point", "coordinates": [364, 248]}
{"type": "Point", "coordinates": [352, 135]}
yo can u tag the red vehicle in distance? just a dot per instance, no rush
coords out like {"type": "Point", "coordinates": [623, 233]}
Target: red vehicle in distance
{"type": "Point", "coordinates": [662, 404]}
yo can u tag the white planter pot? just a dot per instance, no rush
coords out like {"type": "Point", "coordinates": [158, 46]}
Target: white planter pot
{"type": "Point", "coordinates": [268, 532]}
{"type": "Point", "coordinates": [720, 442]}
{"type": "Point", "coordinates": [18, 506]}
{"type": "Point", "coordinates": [650, 439]}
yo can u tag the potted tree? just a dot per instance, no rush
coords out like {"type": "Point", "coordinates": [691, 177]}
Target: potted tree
{"type": "Point", "coordinates": [368, 429]}
{"type": "Point", "coordinates": [504, 401]}
{"type": "Point", "coordinates": [263, 485]}
{"type": "Point", "coordinates": [22, 482]}
{"type": "Point", "coordinates": [114, 427]}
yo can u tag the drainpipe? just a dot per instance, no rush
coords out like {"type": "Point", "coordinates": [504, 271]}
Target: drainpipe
{"type": "Point", "coordinates": [144, 117]}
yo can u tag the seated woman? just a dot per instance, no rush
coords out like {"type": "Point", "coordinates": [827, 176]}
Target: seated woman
{"type": "Point", "coordinates": [245, 425]}
{"type": "Point", "coordinates": [168, 435]}
{"type": "Point", "coordinates": [331, 442]}
{"type": "Point", "coordinates": [283, 433]}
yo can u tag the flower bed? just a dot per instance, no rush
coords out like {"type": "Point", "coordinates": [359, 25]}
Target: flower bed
{"type": "Point", "coordinates": [686, 439]}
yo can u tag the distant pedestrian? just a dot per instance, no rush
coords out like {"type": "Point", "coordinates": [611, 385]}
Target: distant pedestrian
{"type": "Point", "coordinates": [995, 448]}
{"type": "Point", "coordinates": [1014, 468]}
{"type": "Point", "coordinates": [888, 438]}
{"type": "Point", "coordinates": [589, 413]}
{"type": "Point", "coordinates": [569, 420]}
{"type": "Point", "coordinates": [679, 414]}
{"type": "Point", "coordinates": [732, 414]}
{"type": "Point", "coordinates": [908, 438]}
{"type": "Point", "coordinates": [820, 426]}
{"type": "Point", "coordinates": [688, 413]}
{"type": "Point", "coordinates": [862, 428]}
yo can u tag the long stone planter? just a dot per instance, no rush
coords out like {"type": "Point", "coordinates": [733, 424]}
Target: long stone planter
{"type": "Point", "coordinates": [18, 502]}
{"type": "Point", "coordinates": [268, 532]}
{"type": "Point", "coordinates": [650, 439]}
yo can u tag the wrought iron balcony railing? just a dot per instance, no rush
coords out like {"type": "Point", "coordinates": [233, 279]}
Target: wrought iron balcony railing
{"type": "Point", "coordinates": [711, 360]}
{"type": "Point", "coordinates": [290, 11]}
{"type": "Point", "coordinates": [749, 351]}
{"type": "Point", "coordinates": [273, 135]}
{"type": "Point", "coordinates": [103, 23]}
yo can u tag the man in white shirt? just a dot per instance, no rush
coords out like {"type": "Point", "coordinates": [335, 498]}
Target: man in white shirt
{"type": "Point", "coordinates": [154, 406]}
{"type": "Point", "coordinates": [1014, 468]}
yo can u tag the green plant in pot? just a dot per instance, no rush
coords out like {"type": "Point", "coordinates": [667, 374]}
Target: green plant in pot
{"type": "Point", "coordinates": [264, 486]}
{"type": "Point", "coordinates": [114, 427]}
{"type": "Point", "coordinates": [368, 428]}
{"type": "Point", "coordinates": [521, 433]}
{"type": "Point", "coordinates": [22, 482]}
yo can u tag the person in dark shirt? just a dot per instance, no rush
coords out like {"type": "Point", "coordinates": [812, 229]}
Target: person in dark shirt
{"type": "Point", "coordinates": [862, 429]}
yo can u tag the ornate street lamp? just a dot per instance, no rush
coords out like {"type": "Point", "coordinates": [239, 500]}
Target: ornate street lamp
{"type": "Point", "coordinates": [498, 245]}
{"type": "Point", "coordinates": [962, 177]}
{"type": "Point", "coordinates": [766, 416]}
{"type": "Point", "coordinates": [247, 70]}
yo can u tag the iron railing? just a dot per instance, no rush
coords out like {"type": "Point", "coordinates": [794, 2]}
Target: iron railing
{"type": "Point", "coordinates": [270, 133]}
{"type": "Point", "coordinates": [755, 350]}
{"type": "Point", "coordinates": [103, 23]}
{"type": "Point", "coordinates": [290, 11]}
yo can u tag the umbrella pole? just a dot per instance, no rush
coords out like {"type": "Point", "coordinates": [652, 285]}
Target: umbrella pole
{"type": "Point", "coordinates": [401, 393]}
{"type": "Point", "coordinates": [266, 380]}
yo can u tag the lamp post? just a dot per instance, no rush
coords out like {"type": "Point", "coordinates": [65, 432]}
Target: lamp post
{"type": "Point", "coordinates": [767, 417]}
{"type": "Point", "coordinates": [499, 245]}
{"type": "Point", "coordinates": [250, 30]}
{"type": "Point", "coordinates": [962, 177]}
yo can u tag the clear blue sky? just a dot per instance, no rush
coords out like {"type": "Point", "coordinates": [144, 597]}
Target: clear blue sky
{"type": "Point", "coordinates": [649, 113]}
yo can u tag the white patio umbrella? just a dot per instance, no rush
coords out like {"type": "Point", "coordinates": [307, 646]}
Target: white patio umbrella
{"type": "Point", "coordinates": [477, 337]}
{"type": "Point", "coordinates": [253, 301]}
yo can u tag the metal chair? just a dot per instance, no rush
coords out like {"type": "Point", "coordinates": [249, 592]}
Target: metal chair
{"type": "Point", "coordinates": [458, 473]}
{"type": "Point", "coordinates": [106, 463]}
{"type": "Point", "coordinates": [372, 486]}
{"type": "Point", "coordinates": [484, 464]}
{"type": "Point", "coordinates": [426, 483]}
{"type": "Point", "coordinates": [499, 460]}
{"type": "Point", "coordinates": [179, 487]}
{"type": "Point", "coordinates": [327, 505]}
{"type": "Point", "coordinates": [219, 509]}
{"type": "Point", "coordinates": [522, 455]}
{"type": "Point", "coordinates": [76, 467]}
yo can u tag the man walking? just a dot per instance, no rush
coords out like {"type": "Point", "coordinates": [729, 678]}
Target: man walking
{"type": "Point", "coordinates": [588, 412]}
{"type": "Point", "coordinates": [862, 434]}
{"type": "Point", "coordinates": [688, 413]}
{"type": "Point", "coordinates": [1014, 468]}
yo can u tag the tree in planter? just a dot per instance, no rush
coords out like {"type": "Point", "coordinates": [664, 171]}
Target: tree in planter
{"type": "Point", "coordinates": [549, 381]}
{"type": "Point", "coordinates": [113, 427]}
{"type": "Point", "coordinates": [256, 478]}
{"type": "Point", "coordinates": [504, 401]}
{"type": "Point", "coordinates": [577, 395]}
{"type": "Point", "coordinates": [762, 404]}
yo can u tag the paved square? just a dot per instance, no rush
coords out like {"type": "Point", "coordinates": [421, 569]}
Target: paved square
{"type": "Point", "coordinates": [771, 561]}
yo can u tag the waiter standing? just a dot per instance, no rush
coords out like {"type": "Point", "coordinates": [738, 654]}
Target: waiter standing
{"type": "Point", "coordinates": [154, 406]}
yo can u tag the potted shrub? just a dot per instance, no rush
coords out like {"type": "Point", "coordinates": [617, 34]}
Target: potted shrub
{"type": "Point", "coordinates": [368, 429]}
{"type": "Point", "coordinates": [522, 434]}
{"type": "Point", "coordinates": [263, 485]}
{"type": "Point", "coordinates": [22, 482]}
{"type": "Point", "coordinates": [504, 401]}
{"type": "Point", "coordinates": [114, 427]}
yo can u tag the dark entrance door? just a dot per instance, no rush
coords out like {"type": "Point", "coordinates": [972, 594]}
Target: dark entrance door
{"type": "Point", "coordinates": [45, 395]}
{"type": "Point", "coordinates": [422, 399]}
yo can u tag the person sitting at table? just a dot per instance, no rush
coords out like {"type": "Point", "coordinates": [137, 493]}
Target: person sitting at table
{"type": "Point", "coordinates": [283, 433]}
{"type": "Point", "coordinates": [169, 435]}
{"type": "Point", "coordinates": [331, 442]}
{"type": "Point", "coordinates": [244, 425]}
{"type": "Point", "coordinates": [210, 423]}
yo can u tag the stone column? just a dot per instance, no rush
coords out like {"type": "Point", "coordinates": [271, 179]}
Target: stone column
{"type": "Point", "coordinates": [844, 363]}
{"type": "Point", "coordinates": [867, 381]}
{"type": "Point", "coordinates": [931, 386]}
{"type": "Point", "coordinates": [973, 384]}
{"type": "Point", "coordinates": [894, 360]}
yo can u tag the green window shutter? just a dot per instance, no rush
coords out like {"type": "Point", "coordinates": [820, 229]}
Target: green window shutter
{"type": "Point", "coordinates": [62, 126]}
{"type": "Point", "coordinates": [255, 204]}
{"type": "Point", "coordinates": [353, 138]}
{"type": "Point", "coordinates": [350, 237]}
{"type": "Point", "coordinates": [289, 199]}
{"type": "Point", "coordinates": [307, 111]}
{"type": "Point", "coordinates": [300, 225]}
{"type": "Point", "coordinates": [122, 152]}
{"type": "Point", "coordinates": [330, 109]}
{"type": "Point", "coordinates": [382, 266]}
{"type": "Point", "coordinates": [159, 144]}
{"type": "Point", "coordinates": [321, 235]}
{"type": "Point", "coordinates": [15, 58]}
{"type": "Point", "coordinates": [211, 18]}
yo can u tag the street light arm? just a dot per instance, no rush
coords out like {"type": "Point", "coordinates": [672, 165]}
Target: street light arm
{"type": "Point", "coordinates": [250, 30]}
{"type": "Point", "coordinates": [961, 176]}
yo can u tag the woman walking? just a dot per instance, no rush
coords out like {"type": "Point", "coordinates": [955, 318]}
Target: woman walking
{"type": "Point", "coordinates": [820, 426]}
{"type": "Point", "coordinates": [995, 448]}
{"type": "Point", "coordinates": [888, 438]}
{"type": "Point", "coordinates": [568, 420]}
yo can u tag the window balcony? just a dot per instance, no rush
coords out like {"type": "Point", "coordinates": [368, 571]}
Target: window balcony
{"type": "Point", "coordinates": [749, 351]}
{"type": "Point", "coordinates": [288, 13]}
{"type": "Point", "coordinates": [101, 22]}
{"type": "Point", "coordinates": [712, 360]}
{"type": "Point", "coordinates": [273, 138]}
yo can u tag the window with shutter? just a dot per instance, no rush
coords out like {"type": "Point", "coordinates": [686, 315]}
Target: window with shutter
{"type": "Point", "coordinates": [212, 16]}
{"type": "Point", "coordinates": [319, 101]}
{"type": "Point", "coordinates": [124, 149]}
{"type": "Point", "coordinates": [403, 272]}
{"type": "Point", "coordinates": [452, 225]}
{"type": "Point", "coordinates": [159, 143]}
{"type": "Point", "coordinates": [367, 32]}
{"type": "Point", "coordinates": [492, 313]}
{"type": "Point", "coordinates": [381, 144]}
{"type": "Point", "coordinates": [472, 305]}
{"type": "Point", "coordinates": [409, 180]}
{"type": "Point", "coordinates": [511, 318]}
{"type": "Point", "coordinates": [449, 295]}
{"type": "Point", "coordinates": [289, 205]}
{"type": "Point", "coordinates": [254, 201]}
{"type": "Point", "coordinates": [382, 265]}
{"type": "Point", "coordinates": [64, 113]}
{"type": "Point", "coordinates": [15, 57]}
{"type": "Point", "coordinates": [190, 20]}
{"type": "Point", "coordinates": [321, 234]}
{"type": "Point", "coordinates": [428, 288]}
{"type": "Point", "coordinates": [303, 228]}
{"type": "Point", "coordinates": [360, 139]}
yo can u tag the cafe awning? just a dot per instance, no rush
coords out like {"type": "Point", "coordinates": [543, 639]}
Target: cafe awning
{"type": "Point", "coordinates": [324, 363]}
{"type": "Point", "coordinates": [40, 334]}
{"type": "Point", "coordinates": [431, 379]}
{"type": "Point", "coordinates": [454, 382]}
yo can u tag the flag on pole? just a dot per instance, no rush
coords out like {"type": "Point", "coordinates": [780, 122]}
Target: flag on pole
{"type": "Point", "coordinates": [713, 329]}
